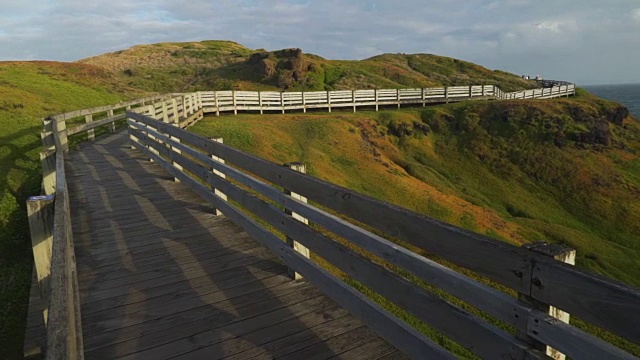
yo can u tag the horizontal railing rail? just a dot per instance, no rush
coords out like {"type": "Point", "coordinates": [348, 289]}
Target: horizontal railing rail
{"type": "Point", "coordinates": [253, 187]}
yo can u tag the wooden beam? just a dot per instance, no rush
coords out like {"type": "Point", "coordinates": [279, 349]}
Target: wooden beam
{"type": "Point", "coordinates": [299, 167]}
{"type": "Point", "coordinates": [217, 191]}
{"type": "Point", "coordinates": [91, 135]}
{"type": "Point", "coordinates": [40, 210]}
{"type": "Point", "coordinates": [112, 125]}
{"type": "Point", "coordinates": [48, 161]}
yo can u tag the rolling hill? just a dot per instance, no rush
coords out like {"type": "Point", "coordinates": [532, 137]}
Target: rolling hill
{"type": "Point", "coordinates": [564, 170]}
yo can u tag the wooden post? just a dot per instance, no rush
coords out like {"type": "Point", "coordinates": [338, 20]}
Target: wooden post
{"type": "Point", "coordinates": [446, 94]}
{"type": "Point", "coordinates": [185, 109]}
{"type": "Point", "coordinates": [165, 112]}
{"type": "Point", "coordinates": [260, 102]}
{"type": "Point", "coordinates": [560, 253]}
{"type": "Point", "coordinates": [398, 97]}
{"type": "Point", "coordinates": [60, 127]}
{"type": "Point", "coordinates": [91, 134]}
{"type": "Point", "coordinates": [329, 100]}
{"type": "Point", "coordinates": [48, 160]}
{"type": "Point", "coordinates": [470, 91]}
{"type": "Point", "coordinates": [353, 99]}
{"type": "Point", "coordinates": [176, 116]}
{"type": "Point", "coordinates": [482, 90]}
{"type": "Point", "coordinates": [296, 166]}
{"type": "Point", "coordinates": [46, 135]}
{"type": "Point", "coordinates": [40, 210]}
{"type": "Point", "coordinates": [235, 107]}
{"type": "Point", "coordinates": [424, 97]}
{"type": "Point", "coordinates": [112, 125]}
{"type": "Point", "coordinates": [304, 103]}
{"type": "Point", "coordinates": [218, 173]}
{"type": "Point", "coordinates": [375, 92]}
{"type": "Point", "coordinates": [282, 100]}
{"type": "Point", "coordinates": [215, 98]}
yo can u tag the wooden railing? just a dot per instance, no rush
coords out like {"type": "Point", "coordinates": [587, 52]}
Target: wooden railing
{"type": "Point", "coordinates": [254, 189]}
{"type": "Point", "coordinates": [222, 101]}
{"type": "Point", "coordinates": [54, 257]}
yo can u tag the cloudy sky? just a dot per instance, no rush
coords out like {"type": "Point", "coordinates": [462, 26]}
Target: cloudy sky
{"type": "Point", "coordinates": [585, 41]}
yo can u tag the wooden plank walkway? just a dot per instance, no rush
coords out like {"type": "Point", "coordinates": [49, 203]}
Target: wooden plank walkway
{"type": "Point", "coordinates": [161, 277]}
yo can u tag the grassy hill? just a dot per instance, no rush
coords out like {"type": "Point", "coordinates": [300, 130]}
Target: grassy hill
{"type": "Point", "coordinates": [225, 65]}
{"type": "Point", "coordinates": [560, 170]}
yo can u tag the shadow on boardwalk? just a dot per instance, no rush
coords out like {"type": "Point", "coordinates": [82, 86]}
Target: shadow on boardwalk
{"type": "Point", "coordinates": [161, 277]}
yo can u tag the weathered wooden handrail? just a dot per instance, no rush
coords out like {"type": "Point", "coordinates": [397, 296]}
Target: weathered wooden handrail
{"type": "Point", "coordinates": [535, 275]}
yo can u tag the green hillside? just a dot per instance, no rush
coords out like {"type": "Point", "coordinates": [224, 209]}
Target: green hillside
{"type": "Point", "coordinates": [563, 170]}
{"type": "Point", "coordinates": [225, 65]}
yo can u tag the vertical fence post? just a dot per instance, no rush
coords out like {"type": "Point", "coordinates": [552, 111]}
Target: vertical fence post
{"type": "Point", "coordinates": [375, 93]}
{"type": "Point", "coordinates": [48, 160]}
{"type": "Point", "coordinates": [304, 103]}
{"type": "Point", "coordinates": [329, 100]}
{"type": "Point", "coordinates": [446, 94]}
{"type": "Point", "coordinates": [165, 112]}
{"type": "Point", "coordinates": [560, 253]}
{"type": "Point", "coordinates": [217, 102]}
{"type": "Point", "coordinates": [398, 97]}
{"type": "Point", "coordinates": [91, 134]}
{"type": "Point", "coordinates": [470, 91]}
{"type": "Point", "coordinates": [260, 102]}
{"type": "Point", "coordinates": [176, 123]}
{"type": "Point", "coordinates": [185, 109]}
{"type": "Point", "coordinates": [60, 127]}
{"type": "Point", "coordinates": [218, 173]}
{"type": "Point", "coordinates": [424, 97]}
{"type": "Point", "coordinates": [282, 100]}
{"type": "Point", "coordinates": [174, 104]}
{"type": "Point", "coordinates": [235, 106]}
{"type": "Point", "coordinates": [300, 167]}
{"type": "Point", "coordinates": [40, 210]}
{"type": "Point", "coordinates": [112, 125]}
{"type": "Point", "coordinates": [353, 99]}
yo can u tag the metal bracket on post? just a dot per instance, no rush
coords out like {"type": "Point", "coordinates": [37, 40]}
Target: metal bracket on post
{"type": "Point", "coordinates": [300, 167]}
{"type": "Point", "coordinates": [218, 173]}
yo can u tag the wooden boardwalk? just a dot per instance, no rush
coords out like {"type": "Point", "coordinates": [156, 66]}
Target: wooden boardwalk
{"type": "Point", "coordinates": [161, 277]}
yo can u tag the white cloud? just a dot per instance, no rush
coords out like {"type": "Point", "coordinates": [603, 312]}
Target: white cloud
{"type": "Point", "coordinates": [555, 39]}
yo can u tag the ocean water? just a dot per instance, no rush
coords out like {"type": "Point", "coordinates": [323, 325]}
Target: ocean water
{"type": "Point", "coordinates": [628, 95]}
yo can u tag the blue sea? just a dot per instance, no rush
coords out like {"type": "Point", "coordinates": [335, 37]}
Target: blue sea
{"type": "Point", "coordinates": [628, 95]}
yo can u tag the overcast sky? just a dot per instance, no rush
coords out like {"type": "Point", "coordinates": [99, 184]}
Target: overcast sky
{"type": "Point", "coordinates": [585, 41]}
